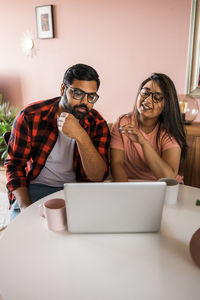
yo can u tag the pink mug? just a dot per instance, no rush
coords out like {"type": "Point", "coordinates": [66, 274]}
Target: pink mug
{"type": "Point", "coordinates": [54, 210]}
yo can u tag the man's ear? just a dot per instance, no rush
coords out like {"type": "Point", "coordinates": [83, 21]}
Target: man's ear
{"type": "Point", "coordinates": [62, 89]}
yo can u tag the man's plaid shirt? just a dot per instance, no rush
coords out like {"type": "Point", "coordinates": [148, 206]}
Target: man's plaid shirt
{"type": "Point", "coordinates": [34, 135]}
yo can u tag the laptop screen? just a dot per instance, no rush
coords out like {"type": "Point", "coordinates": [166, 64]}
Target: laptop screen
{"type": "Point", "coordinates": [114, 206]}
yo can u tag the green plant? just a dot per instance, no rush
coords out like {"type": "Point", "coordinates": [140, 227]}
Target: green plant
{"type": "Point", "coordinates": [7, 116]}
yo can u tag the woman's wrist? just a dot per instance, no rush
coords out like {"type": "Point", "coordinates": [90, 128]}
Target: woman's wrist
{"type": "Point", "coordinates": [144, 142]}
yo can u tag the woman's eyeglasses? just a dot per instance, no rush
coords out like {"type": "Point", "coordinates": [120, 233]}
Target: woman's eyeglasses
{"type": "Point", "coordinates": [156, 97]}
{"type": "Point", "coordinates": [80, 95]}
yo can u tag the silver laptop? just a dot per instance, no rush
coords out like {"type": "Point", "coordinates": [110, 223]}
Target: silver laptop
{"type": "Point", "coordinates": [114, 206]}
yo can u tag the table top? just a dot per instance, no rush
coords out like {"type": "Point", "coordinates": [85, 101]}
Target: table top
{"type": "Point", "coordinates": [36, 263]}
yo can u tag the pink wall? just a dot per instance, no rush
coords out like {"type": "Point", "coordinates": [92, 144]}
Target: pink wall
{"type": "Point", "coordinates": [125, 40]}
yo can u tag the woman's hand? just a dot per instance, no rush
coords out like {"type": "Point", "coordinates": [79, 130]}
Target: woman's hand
{"type": "Point", "coordinates": [132, 132]}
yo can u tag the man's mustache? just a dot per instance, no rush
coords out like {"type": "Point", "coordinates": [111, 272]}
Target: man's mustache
{"type": "Point", "coordinates": [82, 106]}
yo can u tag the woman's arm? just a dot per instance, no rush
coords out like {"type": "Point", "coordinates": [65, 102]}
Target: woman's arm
{"type": "Point", "coordinates": [117, 165]}
{"type": "Point", "coordinates": [165, 166]}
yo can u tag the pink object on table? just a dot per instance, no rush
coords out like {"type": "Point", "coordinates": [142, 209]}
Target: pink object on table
{"type": "Point", "coordinates": [54, 210]}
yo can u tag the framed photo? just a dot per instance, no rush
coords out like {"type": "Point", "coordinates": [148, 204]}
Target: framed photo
{"type": "Point", "coordinates": [44, 21]}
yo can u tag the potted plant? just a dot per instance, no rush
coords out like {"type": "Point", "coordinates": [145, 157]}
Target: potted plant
{"type": "Point", "coordinates": [7, 116]}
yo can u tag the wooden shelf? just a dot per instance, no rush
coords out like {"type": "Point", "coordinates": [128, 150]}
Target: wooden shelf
{"type": "Point", "coordinates": [192, 162]}
{"type": "Point", "coordinates": [193, 129]}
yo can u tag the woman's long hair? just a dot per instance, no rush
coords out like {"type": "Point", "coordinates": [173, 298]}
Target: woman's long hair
{"type": "Point", "coordinates": [170, 118]}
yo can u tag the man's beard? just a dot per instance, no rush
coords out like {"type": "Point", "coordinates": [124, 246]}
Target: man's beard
{"type": "Point", "coordinates": [74, 110]}
{"type": "Point", "coordinates": [79, 114]}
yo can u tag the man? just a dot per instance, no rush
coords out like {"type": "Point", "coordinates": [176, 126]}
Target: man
{"type": "Point", "coordinates": [58, 140]}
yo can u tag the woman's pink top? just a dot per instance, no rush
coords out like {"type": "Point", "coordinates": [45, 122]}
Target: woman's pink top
{"type": "Point", "coordinates": [134, 161]}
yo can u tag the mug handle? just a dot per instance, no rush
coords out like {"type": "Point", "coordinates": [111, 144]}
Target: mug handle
{"type": "Point", "coordinates": [41, 211]}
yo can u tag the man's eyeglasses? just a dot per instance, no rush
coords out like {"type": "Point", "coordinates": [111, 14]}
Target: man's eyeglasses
{"type": "Point", "coordinates": [80, 95]}
{"type": "Point", "coordinates": [156, 97]}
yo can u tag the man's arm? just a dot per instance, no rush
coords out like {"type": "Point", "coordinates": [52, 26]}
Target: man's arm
{"type": "Point", "coordinates": [93, 164]}
{"type": "Point", "coordinates": [18, 155]}
{"type": "Point", "coordinates": [92, 161]}
{"type": "Point", "coordinates": [22, 196]}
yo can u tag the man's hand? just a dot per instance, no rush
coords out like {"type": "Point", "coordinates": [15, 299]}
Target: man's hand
{"type": "Point", "coordinates": [132, 132]}
{"type": "Point", "coordinates": [22, 197]}
{"type": "Point", "coordinates": [23, 208]}
{"type": "Point", "coordinates": [70, 126]}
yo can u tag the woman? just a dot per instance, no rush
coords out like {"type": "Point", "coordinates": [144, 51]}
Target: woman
{"type": "Point", "coordinates": [150, 142]}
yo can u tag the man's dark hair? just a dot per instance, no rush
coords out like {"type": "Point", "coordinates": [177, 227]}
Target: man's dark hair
{"type": "Point", "coordinates": [80, 72]}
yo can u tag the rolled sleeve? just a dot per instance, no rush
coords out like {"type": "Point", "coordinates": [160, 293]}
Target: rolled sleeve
{"type": "Point", "coordinates": [19, 148]}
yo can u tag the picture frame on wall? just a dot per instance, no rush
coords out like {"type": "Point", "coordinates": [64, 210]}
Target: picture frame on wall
{"type": "Point", "coordinates": [44, 21]}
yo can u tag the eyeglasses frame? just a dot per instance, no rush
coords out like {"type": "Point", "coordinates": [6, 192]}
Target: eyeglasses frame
{"type": "Point", "coordinates": [152, 95]}
{"type": "Point", "coordinates": [84, 93]}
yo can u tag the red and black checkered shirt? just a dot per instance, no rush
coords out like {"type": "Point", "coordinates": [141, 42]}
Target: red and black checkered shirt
{"type": "Point", "coordinates": [34, 134]}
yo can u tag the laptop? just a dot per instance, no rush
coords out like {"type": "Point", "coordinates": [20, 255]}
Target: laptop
{"type": "Point", "coordinates": [109, 207]}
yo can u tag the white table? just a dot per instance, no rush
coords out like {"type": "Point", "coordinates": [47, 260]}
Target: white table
{"type": "Point", "coordinates": [36, 263]}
